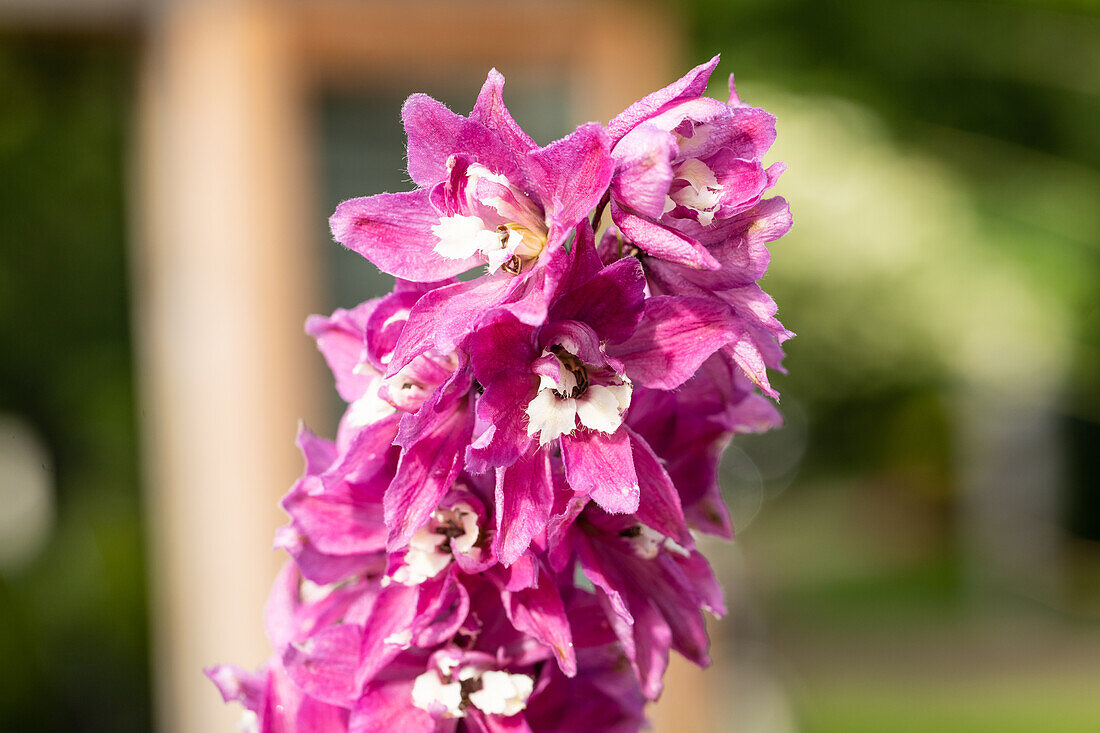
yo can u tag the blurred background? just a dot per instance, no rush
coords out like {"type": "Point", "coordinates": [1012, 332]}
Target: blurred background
{"type": "Point", "coordinates": [919, 546]}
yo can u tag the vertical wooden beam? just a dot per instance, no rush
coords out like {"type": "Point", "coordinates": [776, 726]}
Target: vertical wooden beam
{"type": "Point", "coordinates": [224, 275]}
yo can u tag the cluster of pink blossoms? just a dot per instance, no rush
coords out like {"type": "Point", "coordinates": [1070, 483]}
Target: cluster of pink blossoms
{"type": "Point", "coordinates": [501, 536]}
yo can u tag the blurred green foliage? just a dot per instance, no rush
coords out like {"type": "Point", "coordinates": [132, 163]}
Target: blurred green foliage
{"type": "Point", "coordinates": [945, 184]}
{"type": "Point", "coordinates": [73, 622]}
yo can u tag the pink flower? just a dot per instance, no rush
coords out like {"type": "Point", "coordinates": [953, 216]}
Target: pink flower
{"type": "Point", "coordinates": [499, 539]}
{"type": "Point", "coordinates": [488, 197]}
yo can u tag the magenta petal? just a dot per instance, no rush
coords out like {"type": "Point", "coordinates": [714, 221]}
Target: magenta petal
{"type": "Point", "coordinates": [748, 132]}
{"type": "Point", "coordinates": [675, 336]}
{"type": "Point", "coordinates": [676, 596]}
{"type": "Point", "coordinates": [438, 435]}
{"type": "Point", "coordinates": [393, 613]}
{"type": "Point", "coordinates": [436, 133]}
{"type": "Point", "coordinates": [660, 507]}
{"type": "Point", "coordinates": [572, 174]}
{"type": "Point", "coordinates": [705, 585]}
{"type": "Point", "coordinates": [386, 323]}
{"type": "Point", "coordinates": [602, 466]}
{"type": "Point", "coordinates": [340, 340]}
{"type": "Point", "coordinates": [394, 231]}
{"type": "Point", "coordinates": [502, 344]}
{"type": "Point", "coordinates": [442, 608]}
{"type": "Point", "coordinates": [560, 541]}
{"type": "Point", "coordinates": [661, 241]}
{"type": "Point", "coordinates": [644, 169]}
{"type": "Point", "coordinates": [324, 665]}
{"type": "Point", "coordinates": [338, 522]}
{"type": "Point", "coordinates": [491, 112]}
{"type": "Point", "coordinates": [238, 685]}
{"type": "Point", "coordinates": [524, 496]}
{"type": "Point", "coordinates": [579, 339]}
{"type": "Point", "coordinates": [611, 302]}
{"type": "Point", "coordinates": [315, 565]}
{"type": "Point", "coordinates": [645, 636]}
{"type": "Point", "coordinates": [280, 619]}
{"type": "Point", "coordinates": [652, 639]}
{"type": "Point", "coordinates": [692, 84]}
{"type": "Point", "coordinates": [479, 722]}
{"type": "Point", "coordinates": [318, 452]}
{"type": "Point", "coordinates": [442, 317]}
{"type": "Point", "coordinates": [502, 406]}
{"type": "Point", "coordinates": [539, 612]}
{"type": "Point", "coordinates": [388, 708]}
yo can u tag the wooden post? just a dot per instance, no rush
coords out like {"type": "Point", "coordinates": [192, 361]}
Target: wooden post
{"type": "Point", "coordinates": [224, 276]}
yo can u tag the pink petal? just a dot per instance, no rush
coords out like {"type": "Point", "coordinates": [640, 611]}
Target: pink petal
{"type": "Point", "coordinates": [394, 231]}
{"type": "Point", "coordinates": [393, 613]}
{"type": "Point", "coordinates": [436, 133]}
{"type": "Point", "coordinates": [340, 340]}
{"type": "Point", "coordinates": [491, 112]}
{"type": "Point", "coordinates": [524, 496]}
{"type": "Point", "coordinates": [324, 665]}
{"type": "Point", "coordinates": [388, 708]}
{"type": "Point", "coordinates": [675, 336]}
{"type": "Point", "coordinates": [602, 467]}
{"type": "Point", "coordinates": [661, 241]}
{"type": "Point", "coordinates": [692, 84]}
{"type": "Point", "coordinates": [443, 317]}
{"type": "Point", "coordinates": [435, 439]}
{"type": "Point", "coordinates": [571, 174]}
{"type": "Point", "coordinates": [644, 169]}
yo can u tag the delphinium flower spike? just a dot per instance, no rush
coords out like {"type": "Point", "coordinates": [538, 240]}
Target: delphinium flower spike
{"type": "Point", "coordinates": [501, 536]}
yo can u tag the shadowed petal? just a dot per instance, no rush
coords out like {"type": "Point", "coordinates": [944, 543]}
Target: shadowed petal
{"type": "Point", "coordinates": [660, 507]}
{"type": "Point", "coordinates": [611, 302]}
{"type": "Point", "coordinates": [661, 241]}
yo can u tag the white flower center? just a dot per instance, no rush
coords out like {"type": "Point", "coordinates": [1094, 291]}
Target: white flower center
{"type": "Point", "coordinates": [249, 722]}
{"type": "Point", "coordinates": [431, 693]}
{"type": "Point", "coordinates": [432, 547]}
{"type": "Point", "coordinates": [648, 542]}
{"type": "Point", "coordinates": [701, 194]}
{"type": "Point", "coordinates": [502, 693]}
{"type": "Point", "coordinates": [517, 235]}
{"type": "Point", "coordinates": [493, 692]}
{"type": "Point", "coordinates": [560, 402]}
{"type": "Point", "coordinates": [464, 236]}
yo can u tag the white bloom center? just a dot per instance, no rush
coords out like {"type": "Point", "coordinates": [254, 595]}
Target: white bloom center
{"type": "Point", "coordinates": [701, 194]}
{"type": "Point", "coordinates": [514, 233]}
{"type": "Point", "coordinates": [648, 542]}
{"type": "Point", "coordinates": [464, 236]}
{"type": "Point", "coordinates": [560, 402]}
{"type": "Point", "coordinates": [431, 693]}
{"type": "Point", "coordinates": [493, 692]}
{"type": "Point", "coordinates": [432, 547]}
{"type": "Point", "coordinates": [502, 693]}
